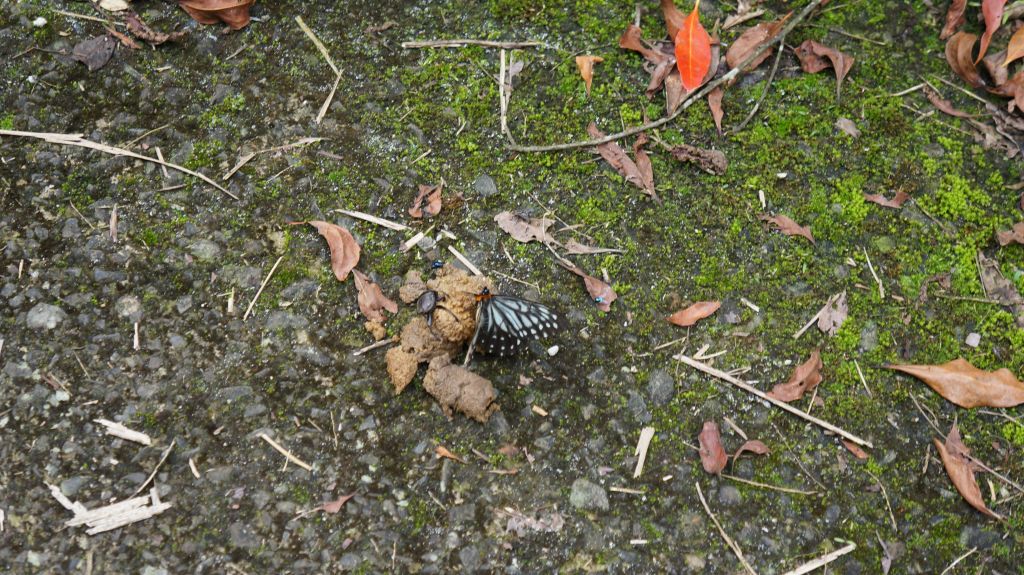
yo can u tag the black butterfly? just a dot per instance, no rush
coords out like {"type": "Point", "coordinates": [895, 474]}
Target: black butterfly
{"type": "Point", "coordinates": [505, 323]}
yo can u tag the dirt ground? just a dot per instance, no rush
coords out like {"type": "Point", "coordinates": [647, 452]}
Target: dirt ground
{"type": "Point", "coordinates": [150, 326]}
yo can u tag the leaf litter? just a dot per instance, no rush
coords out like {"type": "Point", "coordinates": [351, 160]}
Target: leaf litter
{"type": "Point", "coordinates": [623, 164]}
{"type": "Point", "coordinates": [967, 386]}
{"type": "Point", "coordinates": [372, 301]}
{"type": "Point", "coordinates": [815, 57]}
{"type": "Point", "coordinates": [787, 226]}
{"type": "Point", "coordinates": [344, 249]}
{"type": "Point", "coordinates": [956, 459]}
{"type": "Point", "coordinates": [694, 313]}
{"type": "Point", "coordinates": [805, 378]}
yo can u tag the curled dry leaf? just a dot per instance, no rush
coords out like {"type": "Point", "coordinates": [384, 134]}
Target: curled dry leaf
{"type": "Point", "coordinates": [741, 16]}
{"type": "Point", "coordinates": [660, 76]}
{"type": "Point", "coordinates": [458, 389]}
{"type": "Point", "coordinates": [815, 57]}
{"type": "Point", "coordinates": [1015, 49]}
{"type": "Point", "coordinates": [943, 105]}
{"type": "Point", "coordinates": [643, 164]}
{"type": "Point", "coordinates": [1014, 236]}
{"type": "Point", "coordinates": [787, 226]}
{"type": "Point", "coordinates": [967, 386]}
{"type": "Point", "coordinates": [954, 18]}
{"type": "Point", "coordinates": [958, 56]}
{"type": "Point", "coordinates": [336, 505]}
{"type": "Point", "coordinates": [894, 203]}
{"type": "Point", "coordinates": [442, 451]}
{"type": "Point", "coordinates": [712, 454]}
{"type": "Point", "coordinates": [234, 13]}
{"type": "Point", "coordinates": [674, 93]}
{"type": "Point", "coordinates": [715, 104]}
{"type": "Point", "coordinates": [141, 30]}
{"type": "Point", "coordinates": [94, 52]}
{"type": "Point", "coordinates": [993, 64]}
{"type": "Point", "coordinates": [956, 459]}
{"type": "Point", "coordinates": [428, 201]}
{"type": "Point", "coordinates": [711, 161]}
{"type": "Point", "coordinates": [854, 449]}
{"type": "Point", "coordinates": [586, 67]}
{"type": "Point", "coordinates": [805, 377]}
{"type": "Point", "coordinates": [371, 299]}
{"type": "Point", "coordinates": [573, 247]}
{"type": "Point", "coordinates": [344, 249]}
{"type": "Point", "coordinates": [618, 159]}
{"type": "Point", "coordinates": [694, 313]}
{"type": "Point", "coordinates": [992, 11]}
{"type": "Point", "coordinates": [523, 229]}
{"type": "Point", "coordinates": [750, 39]}
{"type": "Point", "coordinates": [693, 50]}
{"type": "Point", "coordinates": [847, 126]}
{"type": "Point", "coordinates": [600, 292]}
{"type": "Point", "coordinates": [832, 316]}
{"type": "Point", "coordinates": [632, 39]}
{"type": "Point", "coordinates": [999, 288]}
{"type": "Point", "coordinates": [753, 446]}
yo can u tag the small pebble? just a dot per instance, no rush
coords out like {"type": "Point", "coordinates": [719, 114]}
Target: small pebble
{"type": "Point", "coordinates": [553, 350]}
{"type": "Point", "coordinates": [973, 339]}
{"type": "Point", "coordinates": [39, 22]}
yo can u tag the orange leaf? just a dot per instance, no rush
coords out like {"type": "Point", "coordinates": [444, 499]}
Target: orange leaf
{"type": "Point", "coordinates": [754, 446]}
{"type": "Point", "coordinates": [443, 451]}
{"type": "Point", "coordinates": [992, 10]}
{"type": "Point", "coordinates": [805, 377]}
{"type": "Point", "coordinates": [855, 449]}
{"type": "Point", "coordinates": [586, 67]}
{"type": "Point", "coordinates": [955, 458]}
{"type": "Point", "coordinates": [234, 13]}
{"type": "Point", "coordinates": [371, 299]}
{"type": "Point", "coordinates": [344, 249]}
{"type": "Point", "coordinates": [712, 454]}
{"type": "Point", "coordinates": [1015, 49]}
{"type": "Point", "coordinates": [694, 313]}
{"type": "Point", "coordinates": [967, 386]}
{"type": "Point", "coordinates": [786, 225]}
{"type": "Point", "coordinates": [693, 51]}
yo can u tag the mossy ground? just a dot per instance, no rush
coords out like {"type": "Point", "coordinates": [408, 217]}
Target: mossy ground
{"type": "Point", "coordinates": [405, 117]}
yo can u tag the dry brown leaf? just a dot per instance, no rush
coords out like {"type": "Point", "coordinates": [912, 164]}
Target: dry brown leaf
{"type": "Point", "coordinates": [753, 446]}
{"type": "Point", "coordinates": [586, 67]}
{"type": "Point", "coordinates": [711, 161]}
{"type": "Point", "coordinates": [805, 377]}
{"type": "Point", "coordinates": [618, 159]}
{"type": "Point", "coordinates": [967, 386]}
{"type": "Point", "coordinates": [142, 31]}
{"type": "Point", "coordinates": [344, 249]}
{"type": "Point", "coordinates": [847, 126]}
{"type": "Point", "coordinates": [992, 11]}
{"type": "Point", "coordinates": [442, 451]}
{"type": "Point", "coordinates": [995, 67]}
{"type": "Point", "coordinates": [712, 454]}
{"type": "Point", "coordinates": [632, 39]}
{"type": "Point", "coordinates": [428, 201]}
{"type": "Point", "coordinates": [958, 56]}
{"type": "Point", "coordinates": [750, 39]}
{"type": "Point", "coordinates": [1015, 49]}
{"type": "Point", "coordinates": [894, 203]}
{"type": "Point", "coordinates": [643, 164]}
{"type": "Point", "coordinates": [943, 105]}
{"type": "Point", "coordinates": [833, 314]}
{"type": "Point", "coordinates": [955, 458]}
{"type": "Point", "coordinates": [573, 247]}
{"type": "Point", "coordinates": [94, 52]}
{"type": "Point", "coordinates": [954, 18]}
{"type": "Point", "coordinates": [457, 389]}
{"type": "Point", "coordinates": [1014, 236]}
{"type": "Point", "coordinates": [741, 16]}
{"type": "Point", "coordinates": [371, 299]}
{"type": "Point", "coordinates": [523, 229]}
{"type": "Point", "coordinates": [234, 13]}
{"type": "Point", "coordinates": [715, 104]}
{"type": "Point", "coordinates": [674, 19]}
{"type": "Point", "coordinates": [674, 92]}
{"type": "Point", "coordinates": [660, 76]}
{"type": "Point", "coordinates": [815, 57]}
{"type": "Point", "coordinates": [600, 292]}
{"type": "Point", "coordinates": [787, 226]}
{"type": "Point", "coordinates": [694, 313]}
{"type": "Point", "coordinates": [999, 288]}
{"type": "Point", "coordinates": [855, 449]}
{"type": "Point", "coordinates": [336, 505]}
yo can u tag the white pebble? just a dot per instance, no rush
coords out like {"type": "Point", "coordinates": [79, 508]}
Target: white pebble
{"type": "Point", "coordinates": [782, 175]}
{"type": "Point", "coordinates": [973, 339]}
{"type": "Point", "coordinates": [39, 22]}
{"type": "Point", "coordinates": [553, 350]}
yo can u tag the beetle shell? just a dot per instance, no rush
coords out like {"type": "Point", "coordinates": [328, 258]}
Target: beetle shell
{"type": "Point", "coordinates": [426, 302]}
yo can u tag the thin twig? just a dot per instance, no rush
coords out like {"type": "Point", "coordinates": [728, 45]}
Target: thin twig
{"type": "Point", "coordinates": [78, 140]}
{"type": "Point", "coordinates": [319, 45]}
{"type": "Point", "coordinates": [689, 101]}
{"type": "Point", "coordinates": [92, 18]}
{"type": "Point", "coordinates": [330, 98]}
{"type": "Point", "coordinates": [728, 540]}
{"type": "Point", "coordinates": [263, 285]}
{"type": "Point", "coordinates": [780, 404]}
{"type": "Point", "coordinates": [764, 92]}
{"type": "Point", "coordinates": [862, 380]}
{"type": "Point", "coordinates": [465, 261]}
{"type": "Point", "coordinates": [821, 561]}
{"type": "Point", "coordinates": [959, 559]}
{"type": "Point", "coordinates": [461, 42]}
{"type": "Point", "coordinates": [374, 220]}
{"type": "Point", "coordinates": [767, 486]}
{"type": "Point", "coordinates": [286, 453]}
{"type": "Point", "coordinates": [373, 346]}
{"type": "Point", "coordinates": [155, 469]}
{"type": "Point", "coordinates": [881, 290]}
{"type": "Point", "coordinates": [885, 494]}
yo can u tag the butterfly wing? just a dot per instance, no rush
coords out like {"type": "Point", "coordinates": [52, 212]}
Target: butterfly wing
{"type": "Point", "coordinates": [506, 323]}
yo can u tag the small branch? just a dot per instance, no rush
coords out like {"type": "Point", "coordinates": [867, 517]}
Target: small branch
{"type": "Point", "coordinates": [885, 494]}
{"type": "Point", "coordinates": [689, 101]}
{"type": "Point", "coordinates": [163, 458]}
{"type": "Point", "coordinates": [476, 271]}
{"type": "Point", "coordinates": [78, 140]}
{"type": "Point", "coordinates": [373, 346]}
{"type": "Point", "coordinates": [764, 93]}
{"type": "Point", "coordinates": [118, 430]}
{"type": "Point", "coordinates": [725, 536]}
{"type": "Point", "coordinates": [862, 380]}
{"type": "Point", "coordinates": [374, 220]}
{"type": "Point", "coordinates": [263, 285]}
{"type": "Point", "coordinates": [319, 45]}
{"type": "Point", "coordinates": [881, 290]}
{"type": "Point", "coordinates": [959, 559]}
{"type": "Point", "coordinates": [767, 486]}
{"type": "Point", "coordinates": [821, 561]}
{"type": "Point", "coordinates": [462, 42]}
{"type": "Point", "coordinates": [286, 453]}
{"type": "Point", "coordinates": [783, 405]}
